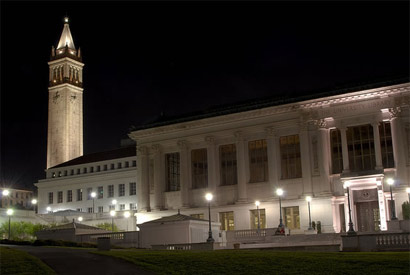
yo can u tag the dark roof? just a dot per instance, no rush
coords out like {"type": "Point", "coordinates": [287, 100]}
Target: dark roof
{"type": "Point", "coordinates": [175, 218]}
{"type": "Point", "coordinates": [267, 102]}
{"type": "Point", "coordinates": [73, 225]}
{"type": "Point", "coordinates": [101, 156]}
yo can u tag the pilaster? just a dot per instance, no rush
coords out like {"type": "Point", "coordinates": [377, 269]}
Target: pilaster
{"type": "Point", "coordinates": [184, 170]}
{"type": "Point", "coordinates": [143, 179]}
{"type": "Point", "coordinates": [377, 147]}
{"type": "Point", "coordinates": [240, 159]}
{"type": "Point", "coordinates": [305, 158]}
{"type": "Point", "coordinates": [398, 145]}
{"type": "Point", "coordinates": [272, 141]}
{"type": "Point", "coordinates": [345, 152]}
{"type": "Point", "coordinates": [158, 177]}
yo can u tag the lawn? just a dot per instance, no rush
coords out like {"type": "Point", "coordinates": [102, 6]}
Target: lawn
{"type": "Point", "coordinates": [14, 261]}
{"type": "Point", "coordinates": [265, 262]}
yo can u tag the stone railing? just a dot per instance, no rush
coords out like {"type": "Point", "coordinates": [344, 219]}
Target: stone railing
{"type": "Point", "coordinates": [123, 239]}
{"type": "Point", "coordinates": [376, 242]}
{"type": "Point", "coordinates": [247, 236]}
{"type": "Point", "coordinates": [191, 246]}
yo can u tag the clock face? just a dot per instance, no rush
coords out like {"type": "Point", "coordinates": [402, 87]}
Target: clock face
{"type": "Point", "coordinates": [56, 97]}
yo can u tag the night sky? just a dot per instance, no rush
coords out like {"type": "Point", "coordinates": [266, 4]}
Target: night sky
{"type": "Point", "coordinates": [144, 58]}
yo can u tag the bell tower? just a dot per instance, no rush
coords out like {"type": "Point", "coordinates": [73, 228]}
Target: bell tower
{"type": "Point", "coordinates": [65, 101]}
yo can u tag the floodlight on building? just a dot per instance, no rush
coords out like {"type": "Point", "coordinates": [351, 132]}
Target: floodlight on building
{"type": "Point", "coordinates": [408, 192]}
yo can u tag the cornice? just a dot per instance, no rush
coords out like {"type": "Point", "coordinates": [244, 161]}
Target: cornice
{"type": "Point", "coordinates": [308, 106]}
{"type": "Point", "coordinates": [65, 59]}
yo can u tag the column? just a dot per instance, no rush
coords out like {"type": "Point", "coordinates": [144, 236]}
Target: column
{"type": "Point", "coordinates": [184, 173]}
{"type": "Point", "coordinates": [345, 152]}
{"type": "Point", "coordinates": [398, 145]}
{"type": "Point", "coordinates": [305, 159]}
{"type": "Point", "coordinates": [240, 162]}
{"type": "Point", "coordinates": [272, 141]}
{"type": "Point", "coordinates": [377, 147]}
{"type": "Point", "coordinates": [143, 179]}
{"type": "Point", "coordinates": [212, 162]}
{"type": "Point", "coordinates": [158, 177]}
{"type": "Point", "coordinates": [324, 156]}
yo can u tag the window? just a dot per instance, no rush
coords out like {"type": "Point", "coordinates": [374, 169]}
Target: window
{"type": "Point", "coordinates": [133, 206]}
{"type": "Point", "coordinates": [133, 188]}
{"type": "Point", "coordinates": [72, 172]}
{"type": "Point", "coordinates": [336, 148]}
{"type": "Point", "coordinates": [85, 170]}
{"type": "Point", "coordinates": [78, 171]}
{"type": "Point", "coordinates": [79, 209]}
{"type": "Point", "coordinates": [111, 207]}
{"type": "Point", "coordinates": [100, 192]}
{"type": "Point", "coordinates": [292, 219]}
{"type": "Point", "coordinates": [91, 169]}
{"type": "Point", "coordinates": [100, 209]}
{"type": "Point", "coordinates": [79, 194]}
{"type": "Point", "coordinates": [360, 146]}
{"type": "Point", "coordinates": [110, 191]}
{"type": "Point", "coordinates": [50, 197]}
{"type": "Point", "coordinates": [121, 190]}
{"type": "Point", "coordinates": [386, 144]}
{"type": "Point", "coordinates": [98, 168]}
{"type": "Point", "coordinates": [227, 157]}
{"type": "Point", "coordinates": [226, 220]}
{"type": "Point", "coordinates": [172, 168]}
{"type": "Point", "coordinates": [134, 163]}
{"type": "Point", "coordinates": [69, 195]}
{"type": "Point", "coordinates": [119, 165]}
{"type": "Point", "coordinates": [254, 218]}
{"type": "Point", "coordinates": [127, 164]}
{"type": "Point", "coordinates": [198, 216]}
{"type": "Point", "coordinates": [122, 207]}
{"type": "Point", "coordinates": [290, 157]}
{"type": "Point", "coordinates": [199, 168]}
{"type": "Point", "coordinates": [112, 166]}
{"type": "Point", "coordinates": [89, 191]}
{"type": "Point", "coordinates": [258, 160]}
{"type": "Point", "coordinates": [90, 210]}
{"type": "Point", "coordinates": [60, 197]}
{"type": "Point", "coordinates": [105, 167]}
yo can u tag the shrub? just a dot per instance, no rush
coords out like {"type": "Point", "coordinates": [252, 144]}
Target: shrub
{"type": "Point", "coordinates": [406, 210]}
{"type": "Point", "coordinates": [107, 226]}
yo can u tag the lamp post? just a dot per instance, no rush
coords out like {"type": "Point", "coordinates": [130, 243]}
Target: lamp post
{"type": "Point", "coordinates": [392, 205]}
{"type": "Point", "coordinates": [113, 203]}
{"type": "Point", "coordinates": [280, 230]}
{"type": "Point", "coordinates": [80, 219]}
{"type": "Point", "coordinates": [351, 230]}
{"type": "Point", "coordinates": [309, 199]}
{"type": "Point", "coordinates": [93, 195]}
{"type": "Point", "coordinates": [10, 213]}
{"type": "Point", "coordinates": [209, 197]}
{"type": "Point", "coordinates": [34, 203]}
{"type": "Point", "coordinates": [408, 192]}
{"type": "Point", "coordinates": [127, 214]}
{"type": "Point", "coordinates": [112, 214]}
{"type": "Point", "coordinates": [48, 209]}
{"type": "Point", "coordinates": [257, 203]}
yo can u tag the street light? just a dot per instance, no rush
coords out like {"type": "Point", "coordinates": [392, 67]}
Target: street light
{"type": "Point", "coordinates": [209, 197]}
{"type": "Point", "coordinates": [5, 193]}
{"type": "Point", "coordinates": [351, 231]}
{"type": "Point", "coordinates": [257, 203]}
{"type": "Point", "coordinates": [392, 206]}
{"type": "Point", "coordinates": [114, 202]}
{"type": "Point", "coordinates": [48, 209]}
{"type": "Point", "coordinates": [127, 214]}
{"type": "Point", "coordinates": [309, 199]}
{"type": "Point", "coordinates": [112, 214]}
{"type": "Point", "coordinates": [408, 192]}
{"type": "Point", "coordinates": [10, 213]}
{"type": "Point", "coordinates": [93, 195]}
{"type": "Point", "coordinates": [280, 230]}
{"type": "Point", "coordinates": [34, 203]}
{"type": "Point", "coordinates": [80, 219]}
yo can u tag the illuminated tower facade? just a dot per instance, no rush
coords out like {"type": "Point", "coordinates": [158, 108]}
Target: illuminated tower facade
{"type": "Point", "coordinates": [65, 101]}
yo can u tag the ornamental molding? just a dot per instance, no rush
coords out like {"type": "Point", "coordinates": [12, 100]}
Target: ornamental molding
{"type": "Point", "coordinates": [394, 112]}
{"type": "Point", "coordinates": [156, 148]}
{"type": "Point", "coordinates": [210, 140]}
{"type": "Point", "coordinates": [142, 150]}
{"type": "Point", "coordinates": [313, 109]}
{"type": "Point", "coordinates": [182, 144]}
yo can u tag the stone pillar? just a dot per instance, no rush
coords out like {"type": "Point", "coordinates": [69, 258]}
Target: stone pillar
{"type": "Point", "coordinates": [272, 142]}
{"type": "Point", "coordinates": [398, 145]}
{"type": "Point", "coordinates": [305, 159]}
{"type": "Point", "coordinates": [212, 162]}
{"type": "Point", "coordinates": [184, 173]}
{"type": "Point", "coordinates": [377, 147]}
{"type": "Point", "coordinates": [158, 177]}
{"type": "Point", "coordinates": [345, 151]}
{"type": "Point", "coordinates": [240, 160]}
{"type": "Point", "coordinates": [324, 156]}
{"type": "Point", "coordinates": [143, 179]}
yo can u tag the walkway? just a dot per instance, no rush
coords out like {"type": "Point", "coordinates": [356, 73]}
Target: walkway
{"type": "Point", "coordinates": [80, 261]}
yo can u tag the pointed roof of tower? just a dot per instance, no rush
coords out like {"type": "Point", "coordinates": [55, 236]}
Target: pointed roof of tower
{"type": "Point", "coordinates": [66, 39]}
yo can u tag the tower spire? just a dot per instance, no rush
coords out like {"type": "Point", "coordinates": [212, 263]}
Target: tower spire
{"type": "Point", "coordinates": [66, 40]}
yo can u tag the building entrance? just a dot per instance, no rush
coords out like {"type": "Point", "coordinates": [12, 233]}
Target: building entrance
{"type": "Point", "coordinates": [368, 216]}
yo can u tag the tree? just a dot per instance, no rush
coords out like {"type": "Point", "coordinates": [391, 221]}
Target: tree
{"type": "Point", "coordinates": [107, 226]}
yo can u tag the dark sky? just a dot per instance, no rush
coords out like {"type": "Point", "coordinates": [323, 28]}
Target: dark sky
{"type": "Point", "coordinates": [144, 58]}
